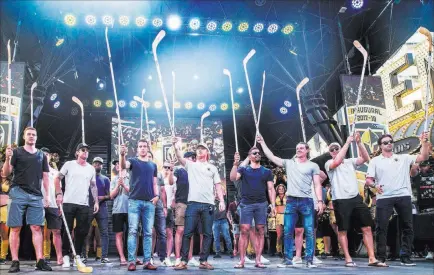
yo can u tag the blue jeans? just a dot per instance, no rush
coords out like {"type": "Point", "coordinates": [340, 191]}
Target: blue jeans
{"type": "Point", "coordinates": [294, 206]}
{"type": "Point", "coordinates": [144, 211]}
{"type": "Point", "coordinates": [160, 230]}
{"type": "Point", "coordinates": [195, 213]}
{"type": "Point", "coordinates": [221, 226]}
{"type": "Point", "coordinates": [102, 219]}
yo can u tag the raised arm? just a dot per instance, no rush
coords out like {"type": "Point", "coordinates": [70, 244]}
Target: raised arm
{"type": "Point", "coordinates": [341, 155]}
{"type": "Point", "coordinates": [123, 163]}
{"type": "Point", "coordinates": [425, 149]}
{"type": "Point", "coordinates": [176, 144]}
{"type": "Point", "coordinates": [115, 186]}
{"type": "Point", "coordinates": [7, 166]}
{"type": "Point", "coordinates": [234, 175]}
{"type": "Point", "coordinates": [364, 155]}
{"type": "Point", "coordinates": [276, 160]}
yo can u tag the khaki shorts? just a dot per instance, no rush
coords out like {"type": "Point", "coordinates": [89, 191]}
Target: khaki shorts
{"type": "Point", "coordinates": [3, 214]}
{"type": "Point", "coordinates": [180, 214]}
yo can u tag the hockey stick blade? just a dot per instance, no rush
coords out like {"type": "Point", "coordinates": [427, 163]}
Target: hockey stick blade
{"type": "Point", "coordinates": [78, 101]}
{"type": "Point", "coordinates": [248, 56]}
{"type": "Point", "coordinates": [360, 48]}
{"type": "Point", "coordinates": [205, 115]}
{"type": "Point", "coordinates": [138, 99]}
{"type": "Point", "coordinates": [158, 39]}
{"type": "Point", "coordinates": [428, 35]}
{"type": "Point", "coordinates": [226, 72]}
{"type": "Point", "coordinates": [302, 84]}
{"type": "Point", "coordinates": [34, 85]}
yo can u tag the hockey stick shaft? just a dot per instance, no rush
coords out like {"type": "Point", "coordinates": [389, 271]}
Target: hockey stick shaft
{"type": "Point", "coordinates": [359, 92]}
{"type": "Point", "coordinates": [31, 103]}
{"type": "Point", "coordinates": [141, 114]}
{"type": "Point", "coordinates": [228, 73]}
{"type": "Point", "coordinates": [300, 111]}
{"type": "Point", "coordinates": [9, 138]}
{"type": "Point", "coordinates": [245, 61]}
{"type": "Point", "coordinates": [260, 106]}
{"type": "Point", "coordinates": [173, 102]}
{"type": "Point", "coordinates": [428, 35]}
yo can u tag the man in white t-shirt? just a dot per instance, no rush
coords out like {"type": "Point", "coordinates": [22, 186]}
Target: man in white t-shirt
{"type": "Point", "coordinates": [347, 202]}
{"type": "Point", "coordinates": [202, 178]}
{"type": "Point", "coordinates": [79, 176]}
{"type": "Point", "coordinates": [389, 173]}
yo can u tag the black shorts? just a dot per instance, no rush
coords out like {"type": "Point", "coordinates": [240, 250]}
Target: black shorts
{"type": "Point", "coordinates": [299, 223]}
{"type": "Point", "coordinates": [118, 222]}
{"type": "Point", "coordinates": [53, 218]}
{"type": "Point", "coordinates": [353, 209]}
{"type": "Point", "coordinates": [170, 218]}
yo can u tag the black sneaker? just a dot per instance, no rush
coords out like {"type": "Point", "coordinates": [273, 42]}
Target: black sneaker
{"type": "Point", "coordinates": [84, 260]}
{"type": "Point", "coordinates": [407, 262]}
{"type": "Point", "coordinates": [105, 261]}
{"type": "Point", "coordinates": [97, 259]}
{"type": "Point", "coordinates": [217, 256]}
{"type": "Point", "coordinates": [2, 261]}
{"type": "Point", "coordinates": [43, 266]}
{"type": "Point", "coordinates": [310, 265]}
{"type": "Point", "coordinates": [15, 267]}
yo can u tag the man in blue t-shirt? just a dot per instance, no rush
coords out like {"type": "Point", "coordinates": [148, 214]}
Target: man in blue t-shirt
{"type": "Point", "coordinates": [142, 201]}
{"type": "Point", "coordinates": [256, 180]}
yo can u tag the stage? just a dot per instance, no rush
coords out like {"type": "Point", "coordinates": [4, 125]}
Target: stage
{"type": "Point", "coordinates": [225, 266]}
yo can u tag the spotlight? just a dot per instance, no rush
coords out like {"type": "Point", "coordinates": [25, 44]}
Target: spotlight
{"type": "Point", "coordinates": [195, 77]}
{"type": "Point", "coordinates": [236, 106]}
{"type": "Point", "coordinates": [224, 106]}
{"type": "Point", "coordinates": [211, 26]}
{"type": "Point", "coordinates": [140, 21]}
{"type": "Point", "coordinates": [147, 104]}
{"type": "Point", "coordinates": [97, 103]}
{"type": "Point", "coordinates": [201, 106]}
{"type": "Point", "coordinates": [124, 20]}
{"type": "Point", "coordinates": [157, 22]}
{"type": "Point", "coordinates": [288, 29]}
{"type": "Point", "coordinates": [90, 20]}
{"type": "Point", "coordinates": [243, 27]}
{"type": "Point", "coordinates": [107, 20]}
{"type": "Point", "coordinates": [149, 77]}
{"type": "Point", "coordinates": [133, 104]}
{"type": "Point", "coordinates": [177, 105]}
{"type": "Point", "coordinates": [258, 27]}
{"type": "Point", "coordinates": [100, 84]}
{"type": "Point", "coordinates": [109, 103]}
{"type": "Point", "coordinates": [56, 105]}
{"type": "Point", "coordinates": [122, 103]}
{"type": "Point", "coordinates": [194, 24]}
{"type": "Point", "coordinates": [272, 28]}
{"type": "Point", "coordinates": [188, 105]}
{"type": "Point", "coordinates": [74, 111]}
{"type": "Point", "coordinates": [283, 110]}
{"type": "Point", "coordinates": [70, 20]}
{"type": "Point", "coordinates": [227, 26]}
{"type": "Point", "coordinates": [287, 103]}
{"type": "Point", "coordinates": [174, 22]}
{"type": "Point", "coordinates": [212, 107]}
{"type": "Point", "coordinates": [357, 4]}
{"type": "Point", "coordinates": [158, 104]}
{"type": "Point", "coordinates": [240, 90]}
{"type": "Point", "coordinates": [59, 41]}
{"type": "Point", "coordinates": [53, 97]}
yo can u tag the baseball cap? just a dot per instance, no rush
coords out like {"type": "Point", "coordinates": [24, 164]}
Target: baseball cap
{"type": "Point", "coordinates": [189, 154]}
{"type": "Point", "coordinates": [45, 150]}
{"type": "Point", "coordinates": [204, 146]}
{"type": "Point", "coordinates": [98, 159]}
{"type": "Point", "coordinates": [82, 145]}
{"type": "Point", "coordinates": [334, 144]}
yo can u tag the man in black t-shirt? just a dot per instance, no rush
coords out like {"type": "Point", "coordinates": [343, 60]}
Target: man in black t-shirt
{"type": "Point", "coordinates": [30, 167]}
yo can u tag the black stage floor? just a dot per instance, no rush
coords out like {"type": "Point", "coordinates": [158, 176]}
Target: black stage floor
{"type": "Point", "coordinates": [225, 266]}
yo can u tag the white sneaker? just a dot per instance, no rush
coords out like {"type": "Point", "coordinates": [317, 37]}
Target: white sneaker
{"type": "Point", "coordinates": [264, 260]}
{"type": "Point", "coordinates": [167, 262]}
{"type": "Point", "coordinates": [66, 262]}
{"type": "Point", "coordinates": [172, 255]}
{"type": "Point", "coordinates": [297, 260]}
{"type": "Point", "coordinates": [155, 255]}
{"type": "Point", "coordinates": [177, 261]}
{"type": "Point", "coordinates": [248, 261]}
{"type": "Point", "coordinates": [78, 261]}
{"type": "Point", "coordinates": [316, 261]}
{"type": "Point", "coordinates": [151, 261]}
{"type": "Point", "coordinates": [193, 262]}
{"type": "Point", "coordinates": [429, 256]}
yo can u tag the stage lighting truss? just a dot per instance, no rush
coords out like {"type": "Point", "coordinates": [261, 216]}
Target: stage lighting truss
{"type": "Point", "coordinates": [272, 28]}
{"type": "Point", "coordinates": [227, 26]}
{"type": "Point", "coordinates": [56, 104]}
{"type": "Point", "coordinates": [188, 105]}
{"type": "Point", "coordinates": [243, 27]}
{"type": "Point", "coordinates": [283, 110]}
{"type": "Point", "coordinates": [140, 21]}
{"type": "Point", "coordinates": [211, 26]}
{"type": "Point", "coordinates": [74, 111]}
{"type": "Point", "coordinates": [288, 29]}
{"type": "Point", "coordinates": [194, 24]}
{"type": "Point", "coordinates": [109, 103]}
{"type": "Point", "coordinates": [70, 20]}
{"type": "Point", "coordinates": [124, 20]}
{"type": "Point", "coordinates": [357, 4]}
{"type": "Point", "coordinates": [90, 20]}
{"type": "Point", "coordinates": [158, 104]}
{"type": "Point", "coordinates": [107, 20]}
{"type": "Point", "coordinates": [258, 27]}
{"type": "Point", "coordinates": [224, 106]}
{"type": "Point", "coordinates": [157, 22]}
{"type": "Point", "coordinates": [201, 106]}
{"type": "Point", "coordinates": [122, 103]}
{"type": "Point", "coordinates": [97, 103]}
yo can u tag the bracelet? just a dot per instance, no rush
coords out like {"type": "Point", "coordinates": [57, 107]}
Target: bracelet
{"type": "Point", "coordinates": [59, 194]}
{"type": "Point", "coordinates": [321, 201]}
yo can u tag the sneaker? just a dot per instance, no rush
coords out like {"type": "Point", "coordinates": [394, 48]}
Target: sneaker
{"type": "Point", "coordinates": [131, 267]}
{"type": "Point", "coordinates": [316, 260]}
{"type": "Point", "coordinates": [84, 260]}
{"type": "Point", "coordinates": [286, 263]}
{"type": "Point", "coordinates": [297, 260]}
{"type": "Point", "coordinates": [407, 262]}
{"type": "Point", "coordinates": [78, 261]}
{"type": "Point", "coordinates": [217, 256]}
{"type": "Point", "coordinates": [97, 259]}
{"type": "Point", "coordinates": [105, 261]}
{"type": "Point", "coordinates": [177, 261]}
{"type": "Point", "coordinates": [15, 267]}
{"type": "Point", "coordinates": [2, 261]}
{"type": "Point", "coordinates": [155, 255]}
{"type": "Point", "coordinates": [66, 262]}
{"type": "Point", "coordinates": [151, 261]}
{"type": "Point", "coordinates": [193, 262]}
{"type": "Point", "coordinates": [172, 255]}
{"type": "Point", "coordinates": [48, 261]}
{"type": "Point", "coordinates": [429, 256]}
{"type": "Point", "coordinates": [247, 260]}
{"type": "Point", "coordinates": [264, 260]}
{"type": "Point", "coordinates": [43, 266]}
{"type": "Point", "coordinates": [167, 262]}
{"type": "Point", "coordinates": [311, 264]}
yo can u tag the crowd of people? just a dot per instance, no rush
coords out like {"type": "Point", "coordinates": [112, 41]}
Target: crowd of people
{"type": "Point", "coordinates": [165, 209]}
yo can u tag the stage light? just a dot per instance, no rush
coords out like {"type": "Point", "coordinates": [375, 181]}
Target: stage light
{"type": "Point", "coordinates": [53, 97]}
{"type": "Point", "coordinates": [149, 77]}
{"type": "Point", "coordinates": [212, 107]}
{"type": "Point", "coordinates": [195, 77]}
{"type": "Point", "coordinates": [177, 105]}
{"type": "Point", "coordinates": [100, 84]}
{"type": "Point", "coordinates": [90, 20]}
{"type": "Point", "coordinates": [236, 106]}
{"type": "Point", "coordinates": [243, 27]}
{"type": "Point", "coordinates": [56, 104]}
{"type": "Point", "coordinates": [287, 103]}
{"type": "Point", "coordinates": [283, 110]}
{"type": "Point", "coordinates": [201, 106]}
{"type": "Point", "coordinates": [59, 41]}
{"type": "Point", "coordinates": [157, 22]}
{"type": "Point", "coordinates": [158, 104]}
{"type": "Point", "coordinates": [174, 22]}
{"type": "Point", "coordinates": [211, 26]}
{"type": "Point", "coordinates": [140, 21]}
{"type": "Point", "coordinates": [357, 4]}
{"type": "Point", "coordinates": [288, 29]}
{"type": "Point", "coordinates": [133, 104]}
{"type": "Point", "coordinates": [109, 103]}
{"type": "Point", "coordinates": [147, 104]}
{"type": "Point", "coordinates": [272, 28]}
{"type": "Point", "coordinates": [258, 27]}
{"type": "Point", "coordinates": [188, 105]}
{"type": "Point", "coordinates": [227, 26]}
{"type": "Point", "coordinates": [97, 103]}
{"type": "Point", "coordinates": [107, 20]}
{"type": "Point", "coordinates": [124, 20]}
{"type": "Point", "coordinates": [122, 103]}
{"type": "Point", "coordinates": [224, 106]}
{"type": "Point", "coordinates": [70, 20]}
{"type": "Point", "coordinates": [194, 24]}
{"type": "Point", "coordinates": [240, 90]}
{"type": "Point", "coordinates": [74, 111]}
{"type": "Point", "coordinates": [293, 52]}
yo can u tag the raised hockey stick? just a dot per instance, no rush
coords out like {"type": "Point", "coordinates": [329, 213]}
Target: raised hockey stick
{"type": "Point", "coordinates": [79, 103]}
{"type": "Point", "coordinates": [173, 102]}
{"type": "Point", "coordinates": [245, 61]}
{"type": "Point", "coordinates": [9, 139]}
{"type": "Point", "coordinates": [228, 73]}
{"type": "Point", "coordinates": [31, 102]}
{"type": "Point", "coordinates": [428, 35]}
{"type": "Point", "coordinates": [141, 101]}
{"type": "Point", "coordinates": [260, 106]}
{"type": "Point", "coordinates": [205, 115]}
{"type": "Point", "coordinates": [359, 92]}
{"type": "Point", "coordinates": [297, 91]}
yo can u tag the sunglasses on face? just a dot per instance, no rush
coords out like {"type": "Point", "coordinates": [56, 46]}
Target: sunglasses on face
{"type": "Point", "coordinates": [387, 142]}
{"type": "Point", "coordinates": [84, 150]}
{"type": "Point", "coordinates": [335, 149]}
{"type": "Point", "coordinates": [256, 153]}
{"type": "Point", "coordinates": [166, 167]}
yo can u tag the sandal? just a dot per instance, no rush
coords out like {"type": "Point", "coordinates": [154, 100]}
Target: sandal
{"type": "Point", "coordinates": [239, 266]}
{"type": "Point", "coordinates": [124, 263]}
{"type": "Point", "coordinates": [378, 264]}
{"type": "Point", "coordinates": [350, 264]}
{"type": "Point", "coordinates": [206, 265]}
{"type": "Point", "coordinates": [260, 265]}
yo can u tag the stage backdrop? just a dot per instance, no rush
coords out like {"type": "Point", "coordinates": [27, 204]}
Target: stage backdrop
{"type": "Point", "coordinates": [186, 128]}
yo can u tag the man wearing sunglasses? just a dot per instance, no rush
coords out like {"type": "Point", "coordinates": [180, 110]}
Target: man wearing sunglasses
{"type": "Point", "coordinates": [389, 173]}
{"type": "Point", "coordinates": [256, 180]}
{"type": "Point", "coordinates": [79, 176]}
{"type": "Point", "coordinates": [347, 202]}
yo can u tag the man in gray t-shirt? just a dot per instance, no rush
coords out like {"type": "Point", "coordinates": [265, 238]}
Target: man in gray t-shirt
{"type": "Point", "coordinates": [301, 173]}
{"type": "Point", "coordinates": [347, 202]}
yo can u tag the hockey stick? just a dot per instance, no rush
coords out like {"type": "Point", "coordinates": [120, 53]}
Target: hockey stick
{"type": "Point", "coordinates": [9, 141]}
{"type": "Point", "coordinates": [205, 115]}
{"type": "Point", "coordinates": [428, 35]}
{"type": "Point", "coordinates": [136, 98]}
{"type": "Point", "coordinates": [76, 100]}
{"type": "Point", "coordinates": [260, 106]}
{"type": "Point", "coordinates": [359, 92]}
{"type": "Point", "coordinates": [141, 113]}
{"type": "Point", "coordinates": [82, 268]}
{"type": "Point", "coordinates": [173, 102]}
{"type": "Point", "coordinates": [155, 44]}
{"type": "Point", "coordinates": [245, 60]}
{"type": "Point", "coordinates": [31, 102]}
{"type": "Point", "coordinates": [297, 90]}
{"type": "Point", "coordinates": [228, 73]}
